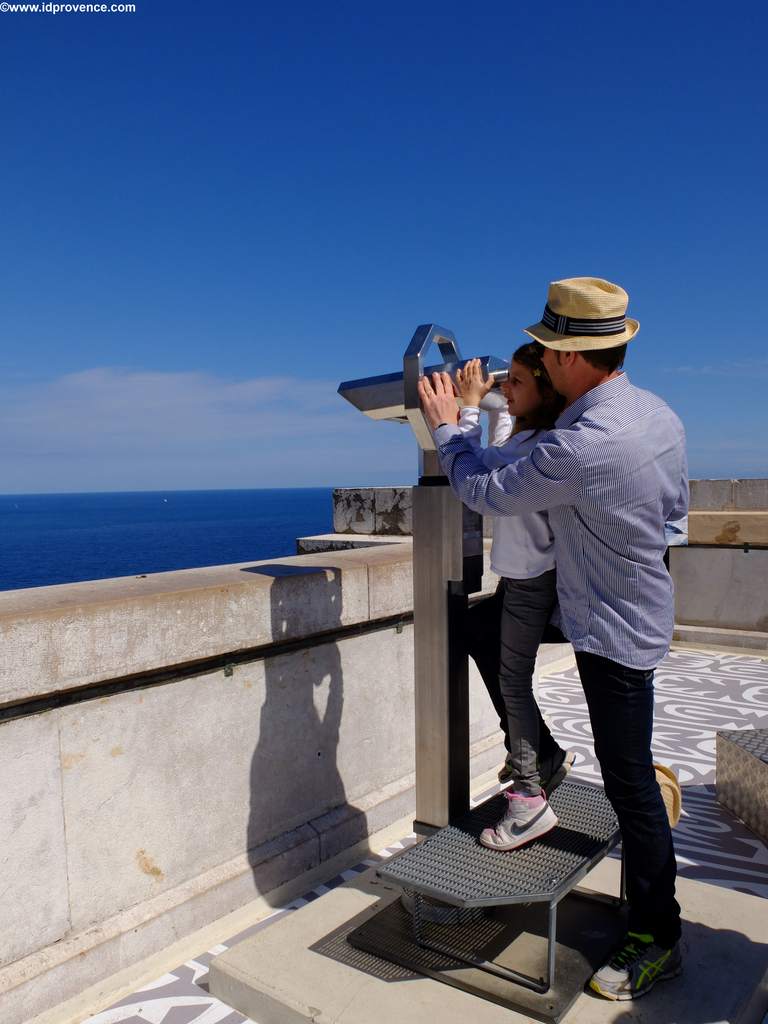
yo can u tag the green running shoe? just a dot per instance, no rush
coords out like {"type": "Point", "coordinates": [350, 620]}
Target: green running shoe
{"type": "Point", "coordinates": [635, 968]}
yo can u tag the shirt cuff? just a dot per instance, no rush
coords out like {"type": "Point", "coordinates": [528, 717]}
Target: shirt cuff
{"type": "Point", "coordinates": [443, 434]}
{"type": "Point", "coordinates": [469, 417]}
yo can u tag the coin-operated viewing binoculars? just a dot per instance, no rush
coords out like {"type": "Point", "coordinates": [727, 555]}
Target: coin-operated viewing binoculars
{"type": "Point", "coordinates": [447, 568]}
{"type": "Point", "coordinates": [394, 396]}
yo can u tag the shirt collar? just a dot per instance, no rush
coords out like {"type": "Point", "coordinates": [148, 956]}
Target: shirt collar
{"type": "Point", "coordinates": [608, 389]}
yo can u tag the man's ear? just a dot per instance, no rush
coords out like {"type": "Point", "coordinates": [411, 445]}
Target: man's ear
{"type": "Point", "coordinates": [566, 358]}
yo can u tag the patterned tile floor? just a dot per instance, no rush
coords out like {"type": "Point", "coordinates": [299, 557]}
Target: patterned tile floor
{"type": "Point", "coordinates": [697, 693]}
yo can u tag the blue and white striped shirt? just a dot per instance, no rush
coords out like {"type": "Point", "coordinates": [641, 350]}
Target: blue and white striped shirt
{"type": "Point", "coordinates": [610, 474]}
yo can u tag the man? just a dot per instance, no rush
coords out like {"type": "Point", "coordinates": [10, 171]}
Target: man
{"type": "Point", "coordinates": [610, 474]}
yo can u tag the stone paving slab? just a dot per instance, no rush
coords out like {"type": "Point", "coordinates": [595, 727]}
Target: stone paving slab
{"type": "Point", "coordinates": [292, 974]}
{"type": "Point", "coordinates": [698, 692]}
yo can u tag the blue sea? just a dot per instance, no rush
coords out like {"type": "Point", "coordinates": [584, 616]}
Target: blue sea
{"type": "Point", "coordinates": [64, 538]}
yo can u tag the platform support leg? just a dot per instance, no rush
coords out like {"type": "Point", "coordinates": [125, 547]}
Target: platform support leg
{"type": "Point", "coordinates": [551, 944]}
{"type": "Point", "coordinates": [489, 966]}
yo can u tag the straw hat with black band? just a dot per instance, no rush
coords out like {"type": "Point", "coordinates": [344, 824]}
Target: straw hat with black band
{"type": "Point", "coordinates": [584, 313]}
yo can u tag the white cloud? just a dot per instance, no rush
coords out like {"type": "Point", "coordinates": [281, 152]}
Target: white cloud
{"type": "Point", "coordinates": [732, 368]}
{"type": "Point", "coordinates": [115, 429]}
{"type": "Point", "coordinates": [109, 428]}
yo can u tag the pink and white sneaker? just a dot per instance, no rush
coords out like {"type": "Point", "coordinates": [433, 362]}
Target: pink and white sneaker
{"type": "Point", "coordinates": [526, 818]}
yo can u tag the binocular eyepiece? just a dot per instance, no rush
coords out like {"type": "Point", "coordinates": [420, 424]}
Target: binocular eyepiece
{"type": "Point", "coordinates": [383, 398]}
{"type": "Point", "coordinates": [494, 370]}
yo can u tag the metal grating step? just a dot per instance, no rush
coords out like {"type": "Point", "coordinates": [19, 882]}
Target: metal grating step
{"type": "Point", "coordinates": [452, 866]}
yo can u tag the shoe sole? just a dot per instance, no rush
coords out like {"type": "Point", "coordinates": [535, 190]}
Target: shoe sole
{"type": "Point", "coordinates": [559, 775]}
{"type": "Point", "coordinates": [626, 997]}
{"type": "Point", "coordinates": [522, 842]}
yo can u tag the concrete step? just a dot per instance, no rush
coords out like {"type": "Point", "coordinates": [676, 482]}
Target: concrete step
{"type": "Point", "coordinates": [711, 636]}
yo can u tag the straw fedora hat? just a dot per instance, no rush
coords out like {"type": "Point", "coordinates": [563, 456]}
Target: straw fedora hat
{"type": "Point", "coordinates": [671, 793]}
{"type": "Point", "coordinates": [584, 313]}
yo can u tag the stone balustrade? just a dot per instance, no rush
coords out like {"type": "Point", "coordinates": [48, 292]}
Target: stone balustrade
{"type": "Point", "coordinates": [172, 746]}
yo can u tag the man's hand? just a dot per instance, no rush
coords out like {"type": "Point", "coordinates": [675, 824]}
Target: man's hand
{"type": "Point", "coordinates": [438, 400]}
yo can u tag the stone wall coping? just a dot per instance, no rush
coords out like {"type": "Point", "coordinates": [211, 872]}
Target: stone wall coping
{"type": "Point", "coordinates": [42, 600]}
{"type": "Point", "coordinates": [73, 635]}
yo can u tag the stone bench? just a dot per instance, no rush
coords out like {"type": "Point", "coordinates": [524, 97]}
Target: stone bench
{"type": "Point", "coordinates": [742, 776]}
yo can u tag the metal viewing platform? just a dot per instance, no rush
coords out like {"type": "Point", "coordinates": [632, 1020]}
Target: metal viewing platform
{"type": "Point", "coordinates": [452, 866]}
{"type": "Point", "coordinates": [485, 910]}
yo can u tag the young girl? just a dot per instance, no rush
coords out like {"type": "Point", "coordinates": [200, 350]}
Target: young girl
{"type": "Point", "coordinates": [522, 554]}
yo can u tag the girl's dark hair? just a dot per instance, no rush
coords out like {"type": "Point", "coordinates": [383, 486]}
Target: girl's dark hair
{"type": "Point", "coordinates": [552, 404]}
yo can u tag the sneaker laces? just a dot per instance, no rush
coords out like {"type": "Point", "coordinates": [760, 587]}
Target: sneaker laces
{"type": "Point", "coordinates": [632, 950]}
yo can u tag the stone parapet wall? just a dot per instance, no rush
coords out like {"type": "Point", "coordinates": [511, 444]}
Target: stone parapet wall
{"type": "Point", "coordinates": [724, 588]}
{"type": "Point", "coordinates": [174, 745]}
{"type": "Point", "coordinates": [66, 637]}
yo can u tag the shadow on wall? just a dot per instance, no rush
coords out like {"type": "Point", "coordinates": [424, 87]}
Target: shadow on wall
{"type": "Point", "coordinates": [295, 780]}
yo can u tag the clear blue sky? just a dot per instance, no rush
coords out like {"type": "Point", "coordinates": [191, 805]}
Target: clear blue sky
{"type": "Point", "coordinates": [214, 212]}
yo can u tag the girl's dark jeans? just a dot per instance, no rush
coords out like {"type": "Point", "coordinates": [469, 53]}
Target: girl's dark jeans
{"type": "Point", "coordinates": [503, 637]}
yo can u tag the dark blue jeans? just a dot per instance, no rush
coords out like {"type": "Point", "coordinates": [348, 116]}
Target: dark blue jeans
{"type": "Point", "coordinates": [620, 702]}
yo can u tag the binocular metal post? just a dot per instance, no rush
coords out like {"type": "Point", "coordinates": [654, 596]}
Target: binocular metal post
{"type": "Point", "coordinates": [440, 662]}
{"type": "Point", "coordinates": [447, 567]}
